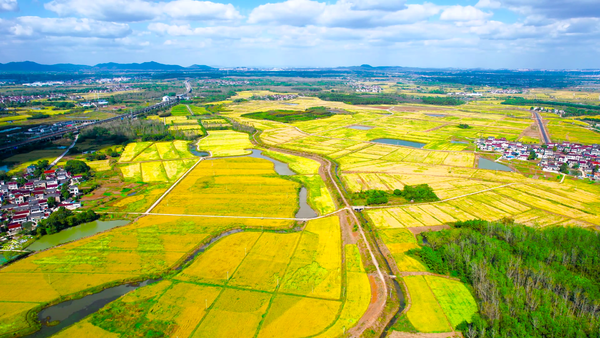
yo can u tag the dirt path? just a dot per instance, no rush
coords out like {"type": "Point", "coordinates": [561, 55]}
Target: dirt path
{"type": "Point", "coordinates": [189, 109]}
{"type": "Point", "coordinates": [425, 273]}
{"type": "Point", "coordinates": [436, 128]}
{"type": "Point", "coordinates": [376, 308]}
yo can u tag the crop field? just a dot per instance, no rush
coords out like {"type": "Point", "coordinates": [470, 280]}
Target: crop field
{"type": "Point", "coordinates": [151, 245]}
{"type": "Point", "coordinates": [218, 307]}
{"type": "Point", "coordinates": [102, 165]}
{"type": "Point", "coordinates": [315, 268]}
{"type": "Point", "coordinates": [455, 299]}
{"type": "Point", "coordinates": [561, 130]}
{"type": "Point", "coordinates": [233, 186]}
{"type": "Point", "coordinates": [222, 143]}
{"type": "Point", "coordinates": [425, 312]}
{"type": "Point", "coordinates": [155, 162]}
{"type": "Point", "coordinates": [180, 110]}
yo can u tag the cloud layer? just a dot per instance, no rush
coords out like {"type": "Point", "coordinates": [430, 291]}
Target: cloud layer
{"type": "Point", "coordinates": [490, 33]}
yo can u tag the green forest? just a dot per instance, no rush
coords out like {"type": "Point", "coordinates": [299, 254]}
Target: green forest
{"type": "Point", "coordinates": [289, 116]}
{"type": "Point", "coordinates": [528, 282]}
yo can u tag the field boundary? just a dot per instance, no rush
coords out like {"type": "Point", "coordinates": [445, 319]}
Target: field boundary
{"type": "Point", "coordinates": [171, 188]}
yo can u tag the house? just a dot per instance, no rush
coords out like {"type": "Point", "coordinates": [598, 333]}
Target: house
{"type": "Point", "coordinates": [14, 228]}
{"type": "Point", "coordinates": [13, 186]}
{"type": "Point", "coordinates": [73, 190]}
{"type": "Point", "coordinates": [30, 169]}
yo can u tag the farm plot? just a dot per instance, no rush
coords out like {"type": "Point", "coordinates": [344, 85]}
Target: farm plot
{"type": "Point", "coordinates": [223, 143]}
{"type": "Point", "coordinates": [315, 267]}
{"type": "Point", "coordinates": [200, 301]}
{"type": "Point", "coordinates": [152, 245]}
{"type": "Point", "coordinates": [180, 110]}
{"type": "Point", "coordinates": [155, 171]}
{"type": "Point", "coordinates": [425, 312]}
{"type": "Point", "coordinates": [235, 186]}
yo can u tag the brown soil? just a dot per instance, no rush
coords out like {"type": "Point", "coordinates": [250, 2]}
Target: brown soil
{"type": "Point", "coordinates": [348, 236]}
{"type": "Point", "coordinates": [418, 230]}
{"type": "Point", "coordinates": [371, 316]}
{"type": "Point", "coordinates": [96, 195]}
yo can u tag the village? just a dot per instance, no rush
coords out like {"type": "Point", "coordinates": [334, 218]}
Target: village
{"type": "Point", "coordinates": [29, 199]}
{"type": "Point", "coordinates": [568, 158]}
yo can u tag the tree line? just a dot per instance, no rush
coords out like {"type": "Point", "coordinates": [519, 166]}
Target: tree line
{"type": "Point", "coordinates": [528, 282]}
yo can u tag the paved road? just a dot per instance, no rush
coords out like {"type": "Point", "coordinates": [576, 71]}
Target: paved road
{"type": "Point", "coordinates": [63, 154]}
{"type": "Point", "coordinates": [540, 122]}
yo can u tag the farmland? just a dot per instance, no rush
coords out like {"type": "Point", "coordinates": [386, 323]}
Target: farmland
{"type": "Point", "coordinates": [233, 186]}
{"type": "Point", "coordinates": [278, 274]}
{"type": "Point", "coordinates": [223, 143]}
{"type": "Point", "coordinates": [298, 286]}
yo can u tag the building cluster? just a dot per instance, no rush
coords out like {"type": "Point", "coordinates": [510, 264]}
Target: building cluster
{"type": "Point", "coordinates": [111, 89]}
{"type": "Point", "coordinates": [364, 88]}
{"type": "Point", "coordinates": [548, 110]}
{"type": "Point", "coordinates": [28, 201]}
{"type": "Point", "coordinates": [465, 94]}
{"type": "Point", "coordinates": [27, 98]}
{"type": "Point", "coordinates": [585, 158]}
{"type": "Point", "coordinates": [506, 91]}
{"type": "Point", "coordinates": [275, 97]}
{"type": "Point", "coordinates": [89, 104]}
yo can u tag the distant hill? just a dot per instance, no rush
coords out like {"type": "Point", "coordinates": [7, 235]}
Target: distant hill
{"type": "Point", "coordinates": [145, 66]}
{"type": "Point", "coordinates": [29, 66]}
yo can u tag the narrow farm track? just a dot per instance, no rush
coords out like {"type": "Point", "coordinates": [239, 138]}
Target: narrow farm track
{"type": "Point", "coordinates": [228, 216]}
{"type": "Point", "coordinates": [173, 186]}
{"type": "Point", "coordinates": [375, 307]}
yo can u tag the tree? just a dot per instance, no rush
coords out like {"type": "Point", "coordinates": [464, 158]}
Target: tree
{"type": "Point", "coordinates": [532, 155]}
{"type": "Point", "coordinates": [52, 202]}
{"type": "Point", "coordinates": [64, 191]}
{"type": "Point", "coordinates": [77, 167]}
{"type": "Point", "coordinates": [564, 168]}
{"type": "Point", "coordinates": [40, 167]}
{"type": "Point", "coordinates": [464, 126]}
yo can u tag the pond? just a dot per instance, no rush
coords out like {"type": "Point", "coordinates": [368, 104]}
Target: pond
{"type": "Point", "coordinates": [435, 115]}
{"type": "Point", "coordinates": [459, 142]}
{"type": "Point", "coordinates": [74, 233]}
{"type": "Point", "coordinates": [305, 210]}
{"type": "Point", "coordinates": [484, 163]}
{"type": "Point", "coordinates": [194, 150]}
{"type": "Point", "coordinates": [72, 311]}
{"type": "Point", "coordinates": [5, 167]}
{"type": "Point", "coordinates": [397, 142]}
{"type": "Point", "coordinates": [357, 127]}
{"type": "Point", "coordinates": [290, 104]}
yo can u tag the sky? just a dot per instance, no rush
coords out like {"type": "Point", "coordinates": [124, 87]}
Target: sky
{"type": "Point", "coordinates": [515, 34]}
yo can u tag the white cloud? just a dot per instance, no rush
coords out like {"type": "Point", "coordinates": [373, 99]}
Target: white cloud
{"type": "Point", "coordinates": [340, 14]}
{"type": "Point", "coordinates": [463, 13]}
{"type": "Point", "coordinates": [139, 10]}
{"type": "Point", "coordinates": [9, 6]}
{"type": "Point", "coordinates": [384, 5]}
{"type": "Point", "coordinates": [488, 4]}
{"type": "Point", "coordinates": [36, 27]}
{"type": "Point", "coordinates": [291, 12]}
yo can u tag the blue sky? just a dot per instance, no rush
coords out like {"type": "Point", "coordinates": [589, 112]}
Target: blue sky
{"type": "Point", "coordinates": [540, 34]}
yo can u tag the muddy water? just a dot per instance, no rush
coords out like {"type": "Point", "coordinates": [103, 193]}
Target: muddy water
{"type": "Point", "coordinates": [72, 311]}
